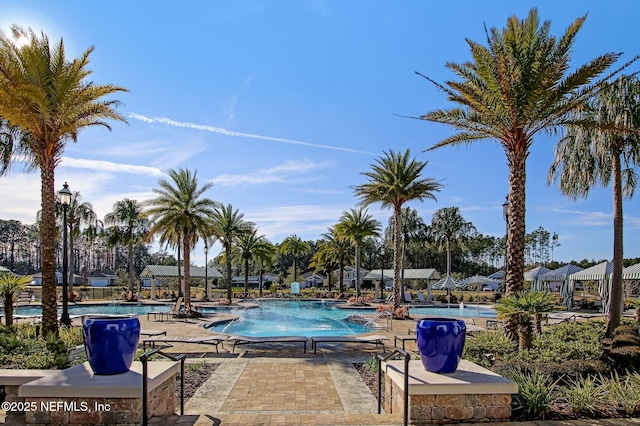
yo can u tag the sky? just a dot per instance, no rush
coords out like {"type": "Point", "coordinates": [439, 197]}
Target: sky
{"type": "Point", "coordinates": [284, 104]}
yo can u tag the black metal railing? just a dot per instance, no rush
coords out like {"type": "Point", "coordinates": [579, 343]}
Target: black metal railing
{"type": "Point", "coordinates": [407, 358]}
{"type": "Point", "coordinates": [144, 359]}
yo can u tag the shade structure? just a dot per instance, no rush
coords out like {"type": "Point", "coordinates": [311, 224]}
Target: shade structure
{"type": "Point", "coordinates": [498, 275]}
{"type": "Point", "coordinates": [478, 280]}
{"type": "Point", "coordinates": [600, 273]}
{"type": "Point", "coordinates": [446, 283]}
{"type": "Point", "coordinates": [631, 272]}
{"type": "Point", "coordinates": [557, 275]}
{"type": "Point", "coordinates": [534, 274]}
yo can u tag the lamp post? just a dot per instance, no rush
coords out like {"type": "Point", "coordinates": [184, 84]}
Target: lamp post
{"type": "Point", "coordinates": [207, 290]}
{"type": "Point", "coordinates": [505, 214]}
{"type": "Point", "coordinates": [65, 199]}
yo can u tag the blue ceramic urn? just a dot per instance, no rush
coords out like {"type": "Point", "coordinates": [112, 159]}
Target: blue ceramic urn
{"type": "Point", "coordinates": [111, 343]}
{"type": "Point", "coordinates": [440, 343]}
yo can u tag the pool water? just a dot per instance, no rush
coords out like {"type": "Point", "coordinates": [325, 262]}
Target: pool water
{"type": "Point", "coordinates": [296, 318]}
{"type": "Point", "coordinates": [108, 309]}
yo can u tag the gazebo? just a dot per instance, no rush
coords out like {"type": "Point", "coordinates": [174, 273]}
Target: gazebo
{"type": "Point", "coordinates": [558, 275]}
{"type": "Point", "coordinates": [601, 273]}
{"type": "Point", "coordinates": [534, 275]}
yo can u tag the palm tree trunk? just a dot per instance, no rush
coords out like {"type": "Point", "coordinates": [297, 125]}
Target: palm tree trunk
{"type": "Point", "coordinates": [615, 301]}
{"type": "Point", "coordinates": [246, 276]}
{"type": "Point", "coordinates": [357, 271]}
{"type": "Point", "coordinates": [227, 250]}
{"type": "Point", "coordinates": [341, 272]}
{"type": "Point", "coordinates": [397, 258]}
{"type": "Point", "coordinates": [516, 223]}
{"type": "Point", "coordinates": [261, 275]}
{"type": "Point", "coordinates": [448, 257]}
{"type": "Point", "coordinates": [295, 268]}
{"type": "Point", "coordinates": [130, 260]}
{"type": "Point", "coordinates": [49, 280]}
{"type": "Point", "coordinates": [186, 237]}
{"type": "Point", "coordinates": [8, 309]}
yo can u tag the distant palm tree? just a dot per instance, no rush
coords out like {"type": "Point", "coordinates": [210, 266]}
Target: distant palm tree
{"type": "Point", "coordinates": [294, 246]}
{"type": "Point", "coordinates": [355, 226]}
{"type": "Point", "coordinates": [247, 247]}
{"type": "Point", "coordinates": [588, 156]}
{"type": "Point", "coordinates": [10, 285]}
{"type": "Point", "coordinates": [128, 226]}
{"type": "Point", "coordinates": [394, 180]}
{"type": "Point", "coordinates": [265, 253]}
{"type": "Point", "coordinates": [334, 252]}
{"type": "Point", "coordinates": [50, 100]}
{"type": "Point", "coordinates": [78, 213]}
{"type": "Point", "coordinates": [520, 85]}
{"type": "Point", "coordinates": [180, 206]}
{"type": "Point", "coordinates": [447, 227]}
{"type": "Point", "coordinates": [227, 226]}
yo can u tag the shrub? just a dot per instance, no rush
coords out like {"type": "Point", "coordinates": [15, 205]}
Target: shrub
{"type": "Point", "coordinates": [627, 357]}
{"type": "Point", "coordinates": [625, 339]}
{"type": "Point", "coordinates": [585, 395]}
{"type": "Point", "coordinates": [487, 348]}
{"type": "Point", "coordinates": [536, 393]}
{"type": "Point", "coordinates": [624, 394]}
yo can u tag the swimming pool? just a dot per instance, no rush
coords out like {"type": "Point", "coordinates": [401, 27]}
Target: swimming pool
{"type": "Point", "coordinates": [297, 318]}
{"type": "Point", "coordinates": [109, 309]}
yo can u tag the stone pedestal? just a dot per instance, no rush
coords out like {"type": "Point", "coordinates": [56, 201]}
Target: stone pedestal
{"type": "Point", "coordinates": [471, 394]}
{"type": "Point", "coordinates": [77, 396]}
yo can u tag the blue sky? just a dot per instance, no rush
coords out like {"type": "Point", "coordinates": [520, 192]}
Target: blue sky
{"type": "Point", "coordinates": [282, 104]}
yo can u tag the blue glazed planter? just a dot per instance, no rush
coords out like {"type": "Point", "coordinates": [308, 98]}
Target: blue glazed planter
{"type": "Point", "coordinates": [111, 343]}
{"type": "Point", "coordinates": [441, 342]}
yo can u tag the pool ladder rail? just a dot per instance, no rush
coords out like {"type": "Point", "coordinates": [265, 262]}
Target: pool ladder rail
{"type": "Point", "coordinates": [372, 324]}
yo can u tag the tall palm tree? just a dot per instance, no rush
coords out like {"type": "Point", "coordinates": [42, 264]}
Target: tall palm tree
{"type": "Point", "coordinates": [78, 213]}
{"type": "Point", "coordinates": [249, 243]}
{"type": "Point", "coordinates": [588, 156]}
{"type": "Point", "coordinates": [180, 206]}
{"type": "Point", "coordinates": [228, 225]}
{"type": "Point", "coordinates": [335, 250]}
{"type": "Point", "coordinates": [294, 246]}
{"type": "Point", "coordinates": [50, 99]}
{"type": "Point", "coordinates": [265, 252]}
{"type": "Point", "coordinates": [448, 226]}
{"type": "Point", "coordinates": [517, 86]}
{"type": "Point", "coordinates": [128, 226]}
{"type": "Point", "coordinates": [355, 226]}
{"type": "Point", "coordinates": [394, 180]}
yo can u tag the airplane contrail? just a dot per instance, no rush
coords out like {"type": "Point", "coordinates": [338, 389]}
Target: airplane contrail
{"type": "Point", "coordinates": [226, 132]}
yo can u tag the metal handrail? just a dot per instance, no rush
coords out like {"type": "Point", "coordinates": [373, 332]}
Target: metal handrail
{"type": "Point", "coordinates": [144, 359]}
{"type": "Point", "coordinates": [407, 358]}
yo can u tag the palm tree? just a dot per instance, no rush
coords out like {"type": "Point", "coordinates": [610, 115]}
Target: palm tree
{"type": "Point", "coordinates": [227, 225]}
{"type": "Point", "coordinates": [394, 180]}
{"type": "Point", "coordinates": [10, 285]}
{"type": "Point", "coordinates": [294, 246]}
{"type": "Point", "coordinates": [128, 226]}
{"type": "Point", "coordinates": [522, 309]}
{"type": "Point", "coordinates": [247, 247]}
{"type": "Point", "coordinates": [605, 153]}
{"type": "Point", "coordinates": [180, 207]}
{"type": "Point", "coordinates": [49, 99]}
{"type": "Point", "coordinates": [334, 252]}
{"type": "Point", "coordinates": [447, 227]}
{"type": "Point", "coordinates": [78, 213]}
{"type": "Point", "coordinates": [355, 226]}
{"type": "Point", "coordinates": [265, 252]}
{"type": "Point", "coordinates": [516, 87]}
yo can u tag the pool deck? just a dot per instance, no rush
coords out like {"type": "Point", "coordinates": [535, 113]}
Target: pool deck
{"type": "Point", "coordinates": [276, 384]}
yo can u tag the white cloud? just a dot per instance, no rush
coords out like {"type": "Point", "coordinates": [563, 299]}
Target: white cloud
{"type": "Point", "coordinates": [109, 166]}
{"type": "Point", "coordinates": [585, 218]}
{"type": "Point", "coordinates": [281, 173]}
{"type": "Point", "coordinates": [226, 132]}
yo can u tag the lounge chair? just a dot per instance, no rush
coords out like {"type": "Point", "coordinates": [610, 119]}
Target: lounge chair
{"type": "Point", "coordinates": [373, 339]}
{"type": "Point", "coordinates": [175, 310]}
{"type": "Point", "coordinates": [200, 340]}
{"type": "Point", "coordinates": [559, 318]}
{"type": "Point", "coordinates": [422, 299]}
{"type": "Point", "coordinates": [409, 337]}
{"type": "Point", "coordinates": [407, 297]}
{"type": "Point", "coordinates": [254, 340]}
{"type": "Point", "coordinates": [495, 325]}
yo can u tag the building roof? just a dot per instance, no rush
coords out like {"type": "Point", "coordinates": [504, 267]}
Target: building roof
{"type": "Point", "coordinates": [167, 271]}
{"type": "Point", "coordinates": [409, 274]}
